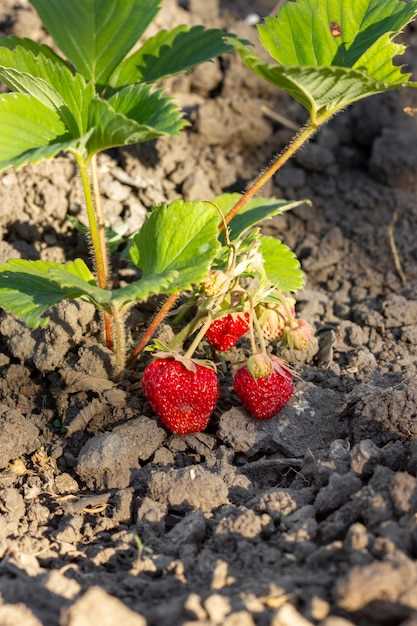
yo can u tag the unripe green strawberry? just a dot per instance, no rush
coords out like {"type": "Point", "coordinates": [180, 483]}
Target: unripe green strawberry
{"type": "Point", "coordinates": [299, 335]}
{"type": "Point", "coordinates": [214, 283]}
{"type": "Point", "coordinates": [271, 323]}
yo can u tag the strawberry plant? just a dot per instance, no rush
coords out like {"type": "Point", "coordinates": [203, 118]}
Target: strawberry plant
{"type": "Point", "coordinates": [327, 55]}
{"type": "Point", "coordinates": [236, 281]}
{"type": "Point", "coordinates": [98, 97]}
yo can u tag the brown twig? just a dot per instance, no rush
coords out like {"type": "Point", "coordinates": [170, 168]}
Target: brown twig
{"type": "Point", "coordinates": [394, 249]}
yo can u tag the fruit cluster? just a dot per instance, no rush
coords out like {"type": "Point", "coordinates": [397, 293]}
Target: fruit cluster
{"type": "Point", "coordinates": [184, 391]}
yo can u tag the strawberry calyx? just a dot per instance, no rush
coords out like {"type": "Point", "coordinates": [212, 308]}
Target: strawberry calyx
{"type": "Point", "coordinates": [189, 363]}
{"type": "Point", "coordinates": [262, 365]}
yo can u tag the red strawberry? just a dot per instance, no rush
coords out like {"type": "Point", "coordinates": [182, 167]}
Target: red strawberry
{"type": "Point", "coordinates": [264, 386]}
{"type": "Point", "coordinates": [184, 398]}
{"type": "Point", "coordinates": [225, 332]}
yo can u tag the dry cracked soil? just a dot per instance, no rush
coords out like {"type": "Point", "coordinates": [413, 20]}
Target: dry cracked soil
{"type": "Point", "coordinates": [309, 519]}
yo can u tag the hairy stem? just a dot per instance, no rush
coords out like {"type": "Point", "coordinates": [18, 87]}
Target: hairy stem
{"type": "Point", "coordinates": [97, 234]}
{"type": "Point", "coordinates": [303, 136]}
{"type": "Point", "coordinates": [153, 327]}
{"type": "Point", "coordinates": [299, 140]}
{"type": "Point", "coordinates": [119, 341]}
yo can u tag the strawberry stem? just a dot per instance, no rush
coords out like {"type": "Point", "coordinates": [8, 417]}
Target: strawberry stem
{"type": "Point", "coordinates": [199, 337]}
{"type": "Point", "coordinates": [252, 333]}
{"type": "Point", "coordinates": [299, 140]}
{"type": "Point", "coordinates": [259, 332]}
{"type": "Point", "coordinates": [97, 233]}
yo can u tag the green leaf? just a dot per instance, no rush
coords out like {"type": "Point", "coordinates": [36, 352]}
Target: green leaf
{"type": "Point", "coordinates": [149, 107]}
{"type": "Point", "coordinates": [331, 54]}
{"type": "Point", "coordinates": [281, 265]}
{"type": "Point", "coordinates": [29, 288]}
{"type": "Point", "coordinates": [28, 131]}
{"type": "Point", "coordinates": [96, 35]}
{"type": "Point", "coordinates": [179, 237]}
{"type": "Point", "coordinates": [143, 289]}
{"type": "Point", "coordinates": [170, 52]}
{"type": "Point", "coordinates": [35, 70]}
{"type": "Point", "coordinates": [254, 212]}
{"type": "Point", "coordinates": [333, 33]}
{"type": "Point", "coordinates": [133, 115]}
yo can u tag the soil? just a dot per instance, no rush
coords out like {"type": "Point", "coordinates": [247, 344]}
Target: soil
{"type": "Point", "coordinates": [308, 519]}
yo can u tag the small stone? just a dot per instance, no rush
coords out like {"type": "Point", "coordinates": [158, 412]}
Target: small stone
{"type": "Point", "coordinates": [98, 607]}
{"type": "Point", "coordinates": [364, 457]}
{"type": "Point", "coordinates": [191, 488]}
{"type": "Point", "coordinates": [403, 492]}
{"type": "Point", "coordinates": [69, 530]}
{"type": "Point", "coordinates": [64, 484]}
{"type": "Point", "coordinates": [12, 504]}
{"type": "Point", "coordinates": [318, 608]}
{"type": "Point", "coordinates": [337, 492]}
{"type": "Point", "coordinates": [241, 618]}
{"type": "Point", "coordinates": [61, 585]}
{"type": "Point", "coordinates": [221, 578]}
{"type": "Point", "coordinates": [123, 500]}
{"type": "Point", "coordinates": [106, 461]}
{"type": "Point", "coordinates": [217, 607]}
{"type": "Point", "coordinates": [163, 456]}
{"type": "Point", "coordinates": [287, 615]}
{"type": "Point", "coordinates": [17, 614]}
{"type": "Point", "coordinates": [385, 581]}
{"type": "Point", "coordinates": [18, 435]}
{"type": "Point", "coordinates": [193, 605]}
{"type": "Point", "coordinates": [151, 511]}
{"type": "Point", "coordinates": [190, 530]}
{"type": "Point", "coordinates": [357, 538]}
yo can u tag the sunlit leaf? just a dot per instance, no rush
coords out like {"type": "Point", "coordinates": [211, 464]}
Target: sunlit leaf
{"type": "Point", "coordinates": [331, 54]}
{"type": "Point", "coordinates": [170, 52]}
{"type": "Point", "coordinates": [281, 265]}
{"type": "Point", "coordinates": [254, 212]}
{"type": "Point", "coordinates": [35, 70]}
{"type": "Point", "coordinates": [180, 237]}
{"type": "Point", "coordinates": [28, 289]}
{"type": "Point", "coordinates": [96, 35]}
{"type": "Point", "coordinates": [133, 115]}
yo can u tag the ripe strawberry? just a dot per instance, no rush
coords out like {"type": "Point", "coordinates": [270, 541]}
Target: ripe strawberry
{"type": "Point", "coordinates": [264, 386]}
{"type": "Point", "coordinates": [183, 397]}
{"type": "Point", "coordinates": [225, 332]}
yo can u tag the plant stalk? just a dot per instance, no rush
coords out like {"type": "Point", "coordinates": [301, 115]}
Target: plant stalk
{"type": "Point", "coordinates": [259, 332]}
{"type": "Point", "coordinates": [299, 140]}
{"type": "Point", "coordinates": [119, 328]}
{"type": "Point", "coordinates": [97, 234]}
{"type": "Point", "coordinates": [202, 333]}
{"type": "Point", "coordinates": [252, 334]}
{"type": "Point", "coordinates": [153, 327]}
{"type": "Point", "coordinates": [303, 136]}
